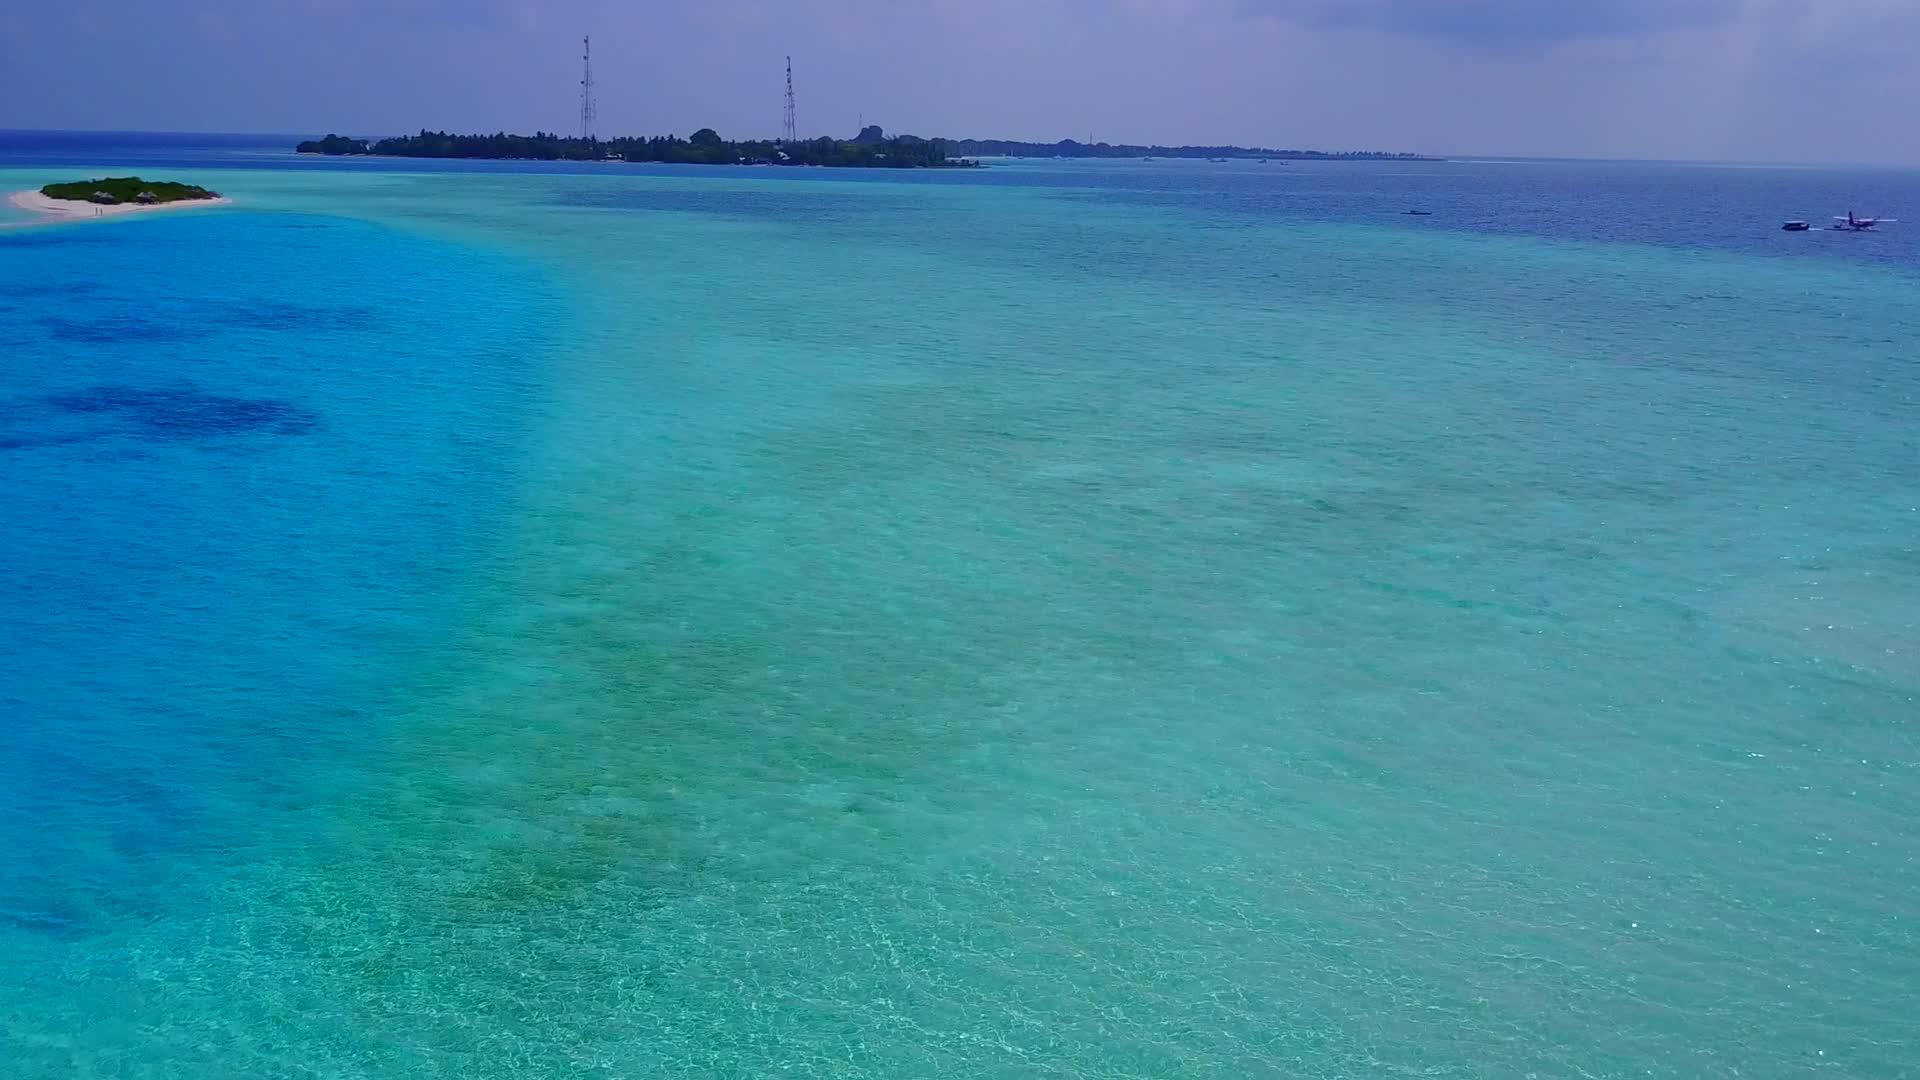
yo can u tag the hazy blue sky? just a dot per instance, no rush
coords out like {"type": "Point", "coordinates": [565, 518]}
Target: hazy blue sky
{"type": "Point", "coordinates": [1742, 79]}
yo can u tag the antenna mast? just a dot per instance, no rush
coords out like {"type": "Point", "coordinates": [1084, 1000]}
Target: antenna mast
{"type": "Point", "coordinates": [588, 109]}
{"type": "Point", "coordinates": [788, 132]}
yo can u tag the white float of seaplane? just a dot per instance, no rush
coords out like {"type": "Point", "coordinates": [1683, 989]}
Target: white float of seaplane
{"type": "Point", "coordinates": [1850, 223]}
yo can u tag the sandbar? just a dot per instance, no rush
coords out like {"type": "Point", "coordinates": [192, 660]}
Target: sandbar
{"type": "Point", "coordinates": [63, 209]}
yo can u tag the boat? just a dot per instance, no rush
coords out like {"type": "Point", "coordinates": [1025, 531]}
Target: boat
{"type": "Point", "coordinates": [1420, 213]}
{"type": "Point", "coordinates": [1796, 226]}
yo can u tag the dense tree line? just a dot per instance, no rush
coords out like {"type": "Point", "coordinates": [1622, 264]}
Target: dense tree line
{"type": "Point", "coordinates": [334, 144]}
{"type": "Point", "coordinates": [125, 189]}
{"type": "Point", "coordinates": [703, 147]}
{"type": "Point", "coordinates": [872, 148]}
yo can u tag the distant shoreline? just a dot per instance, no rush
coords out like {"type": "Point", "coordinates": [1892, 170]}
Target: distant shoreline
{"type": "Point", "coordinates": [704, 147]}
{"type": "Point", "coordinates": [78, 209]}
{"type": "Point", "coordinates": [872, 148]}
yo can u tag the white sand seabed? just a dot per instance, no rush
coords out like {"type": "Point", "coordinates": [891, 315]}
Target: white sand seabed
{"type": "Point", "coordinates": [66, 209]}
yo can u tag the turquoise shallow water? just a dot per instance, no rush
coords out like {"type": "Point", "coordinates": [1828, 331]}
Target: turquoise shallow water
{"type": "Point", "coordinates": [521, 624]}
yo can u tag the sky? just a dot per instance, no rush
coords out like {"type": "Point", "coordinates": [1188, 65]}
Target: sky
{"type": "Point", "coordinates": [1739, 80]}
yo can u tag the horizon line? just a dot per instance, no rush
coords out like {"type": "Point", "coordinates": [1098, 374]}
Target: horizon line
{"type": "Point", "coordinates": [1429, 157]}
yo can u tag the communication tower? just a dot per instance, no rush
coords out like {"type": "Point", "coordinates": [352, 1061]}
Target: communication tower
{"type": "Point", "coordinates": [788, 130]}
{"type": "Point", "coordinates": [589, 110]}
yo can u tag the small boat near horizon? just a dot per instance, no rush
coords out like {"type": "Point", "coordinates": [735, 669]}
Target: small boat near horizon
{"type": "Point", "coordinates": [1795, 226]}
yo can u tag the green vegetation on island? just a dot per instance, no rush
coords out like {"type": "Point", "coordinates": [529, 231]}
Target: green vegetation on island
{"type": "Point", "coordinates": [872, 148]}
{"type": "Point", "coordinates": [334, 144]}
{"type": "Point", "coordinates": [127, 189]}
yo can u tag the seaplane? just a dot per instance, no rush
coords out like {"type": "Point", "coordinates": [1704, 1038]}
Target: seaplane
{"type": "Point", "coordinates": [1850, 223]}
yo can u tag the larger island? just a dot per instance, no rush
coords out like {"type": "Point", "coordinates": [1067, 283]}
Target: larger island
{"type": "Point", "coordinates": [872, 148]}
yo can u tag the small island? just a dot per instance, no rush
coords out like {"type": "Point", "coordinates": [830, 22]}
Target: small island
{"type": "Point", "coordinates": [1070, 148]}
{"type": "Point", "coordinates": [113, 191]}
{"type": "Point", "coordinates": [114, 195]}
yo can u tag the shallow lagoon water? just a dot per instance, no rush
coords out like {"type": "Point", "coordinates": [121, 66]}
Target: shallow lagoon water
{"type": "Point", "coordinates": [1063, 621]}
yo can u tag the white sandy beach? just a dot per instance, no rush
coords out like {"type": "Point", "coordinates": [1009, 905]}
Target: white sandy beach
{"type": "Point", "coordinates": [77, 208]}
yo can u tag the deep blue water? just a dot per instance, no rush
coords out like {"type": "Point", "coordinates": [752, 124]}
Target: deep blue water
{"type": "Point", "coordinates": [247, 460]}
{"type": "Point", "coordinates": [1691, 206]}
